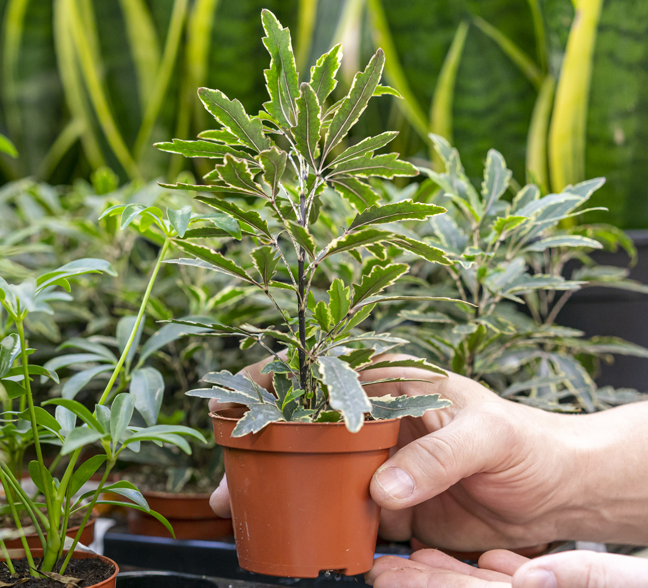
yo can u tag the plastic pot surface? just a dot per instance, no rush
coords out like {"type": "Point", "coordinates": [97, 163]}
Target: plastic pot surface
{"type": "Point", "coordinates": [300, 494]}
{"type": "Point", "coordinates": [107, 583]}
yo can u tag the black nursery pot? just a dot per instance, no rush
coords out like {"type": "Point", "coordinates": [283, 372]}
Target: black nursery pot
{"type": "Point", "coordinates": [162, 580]}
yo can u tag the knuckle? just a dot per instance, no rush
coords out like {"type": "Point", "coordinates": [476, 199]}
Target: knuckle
{"type": "Point", "coordinates": [435, 453]}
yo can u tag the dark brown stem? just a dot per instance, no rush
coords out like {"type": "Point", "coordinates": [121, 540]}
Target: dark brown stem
{"type": "Point", "coordinates": [303, 368]}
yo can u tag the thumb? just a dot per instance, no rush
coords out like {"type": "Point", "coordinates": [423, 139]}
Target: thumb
{"type": "Point", "coordinates": [582, 569]}
{"type": "Point", "coordinates": [475, 441]}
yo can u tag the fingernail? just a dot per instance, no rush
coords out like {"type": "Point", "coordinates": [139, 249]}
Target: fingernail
{"type": "Point", "coordinates": [396, 482]}
{"type": "Point", "coordinates": [538, 579]}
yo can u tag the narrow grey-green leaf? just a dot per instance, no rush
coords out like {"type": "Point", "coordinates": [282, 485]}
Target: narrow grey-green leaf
{"type": "Point", "coordinates": [147, 389]}
{"type": "Point", "coordinates": [79, 437]}
{"type": "Point", "coordinates": [388, 407]}
{"type": "Point", "coordinates": [496, 179]}
{"type": "Point", "coordinates": [345, 392]}
{"type": "Point", "coordinates": [378, 279]}
{"type": "Point", "coordinates": [359, 194]}
{"type": "Point", "coordinates": [563, 241]}
{"type": "Point", "coordinates": [232, 115]}
{"type": "Point", "coordinates": [179, 219]}
{"type": "Point", "coordinates": [81, 379]}
{"type": "Point", "coordinates": [307, 130]}
{"type": "Point", "coordinates": [356, 101]}
{"type": "Point", "coordinates": [121, 413]}
{"type": "Point", "coordinates": [399, 211]}
{"type": "Point", "coordinates": [323, 73]}
{"type": "Point", "coordinates": [125, 326]}
{"type": "Point", "coordinates": [258, 417]}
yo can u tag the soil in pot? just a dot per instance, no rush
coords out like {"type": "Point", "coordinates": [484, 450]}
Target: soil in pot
{"type": "Point", "coordinates": [93, 571]}
{"type": "Point", "coordinates": [300, 495]}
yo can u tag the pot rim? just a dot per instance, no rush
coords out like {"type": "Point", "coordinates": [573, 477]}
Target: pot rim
{"type": "Point", "coordinates": [176, 495]}
{"type": "Point", "coordinates": [214, 415]}
{"type": "Point", "coordinates": [90, 554]}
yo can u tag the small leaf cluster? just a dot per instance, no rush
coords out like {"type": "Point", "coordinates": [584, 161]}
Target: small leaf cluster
{"type": "Point", "coordinates": [287, 158]}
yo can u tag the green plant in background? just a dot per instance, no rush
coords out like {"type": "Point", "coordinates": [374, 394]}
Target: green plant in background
{"type": "Point", "coordinates": [287, 157]}
{"type": "Point", "coordinates": [511, 256]}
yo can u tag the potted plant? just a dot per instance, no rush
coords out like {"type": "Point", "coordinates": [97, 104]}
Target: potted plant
{"type": "Point", "coordinates": [298, 458]}
{"type": "Point", "coordinates": [108, 426]}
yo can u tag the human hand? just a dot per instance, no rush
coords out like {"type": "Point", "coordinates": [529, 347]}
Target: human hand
{"type": "Point", "coordinates": [429, 568]}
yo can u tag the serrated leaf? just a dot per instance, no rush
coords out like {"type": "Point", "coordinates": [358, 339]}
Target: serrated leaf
{"type": "Point", "coordinates": [358, 357]}
{"type": "Point", "coordinates": [323, 316]}
{"type": "Point", "coordinates": [265, 260]}
{"type": "Point", "coordinates": [323, 73]}
{"type": "Point", "coordinates": [339, 300]}
{"type": "Point", "coordinates": [355, 102]}
{"type": "Point", "coordinates": [386, 90]}
{"type": "Point", "coordinates": [240, 383]}
{"type": "Point", "coordinates": [358, 239]}
{"type": "Point", "coordinates": [200, 149]}
{"type": "Point", "coordinates": [508, 223]}
{"type": "Point", "coordinates": [281, 77]}
{"type": "Point", "coordinates": [147, 389]}
{"type": "Point", "coordinates": [378, 279]}
{"type": "Point", "coordinates": [383, 166]}
{"type": "Point", "coordinates": [276, 367]}
{"type": "Point", "coordinates": [249, 217]}
{"type": "Point", "coordinates": [258, 417]}
{"type": "Point", "coordinates": [307, 130]}
{"type": "Point", "coordinates": [427, 252]}
{"type": "Point", "coordinates": [563, 241]}
{"type": "Point", "coordinates": [525, 196]}
{"type": "Point", "coordinates": [303, 238]}
{"type": "Point", "coordinates": [179, 219]}
{"type": "Point", "coordinates": [345, 392]}
{"type": "Point", "coordinates": [273, 162]}
{"type": "Point", "coordinates": [209, 259]}
{"type": "Point", "coordinates": [232, 115]}
{"type": "Point", "coordinates": [399, 211]}
{"type": "Point", "coordinates": [496, 179]}
{"type": "Point", "coordinates": [388, 407]}
{"type": "Point", "coordinates": [359, 194]}
{"type": "Point", "coordinates": [420, 364]}
{"type": "Point", "coordinates": [220, 135]}
{"type": "Point", "coordinates": [329, 416]}
{"type": "Point", "coordinates": [370, 144]}
{"type": "Point", "coordinates": [223, 395]}
{"type": "Point", "coordinates": [236, 174]}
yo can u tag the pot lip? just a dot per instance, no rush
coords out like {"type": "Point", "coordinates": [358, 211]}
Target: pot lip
{"type": "Point", "coordinates": [39, 553]}
{"type": "Point", "coordinates": [176, 495]}
{"type": "Point", "coordinates": [216, 416]}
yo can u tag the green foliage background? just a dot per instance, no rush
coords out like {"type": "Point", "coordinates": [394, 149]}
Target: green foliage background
{"type": "Point", "coordinates": [61, 124]}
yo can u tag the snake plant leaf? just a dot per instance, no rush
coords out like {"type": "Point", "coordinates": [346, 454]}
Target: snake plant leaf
{"type": "Point", "coordinates": [359, 194]}
{"type": "Point", "coordinates": [427, 252]}
{"type": "Point", "coordinates": [307, 130]}
{"type": "Point", "coordinates": [265, 260]}
{"type": "Point", "coordinates": [303, 238]}
{"type": "Point", "coordinates": [345, 392]}
{"type": "Point", "coordinates": [212, 260]}
{"type": "Point", "coordinates": [281, 78]}
{"type": "Point", "coordinates": [9, 351]}
{"type": "Point", "coordinates": [358, 239]}
{"type": "Point", "coordinates": [339, 300]}
{"type": "Point", "coordinates": [258, 417]}
{"type": "Point", "coordinates": [240, 383]}
{"type": "Point", "coordinates": [220, 135]}
{"type": "Point", "coordinates": [399, 211]}
{"type": "Point", "coordinates": [355, 102]}
{"type": "Point", "coordinates": [273, 162]}
{"type": "Point", "coordinates": [420, 364]}
{"type": "Point", "coordinates": [384, 166]}
{"type": "Point", "coordinates": [179, 219]}
{"type": "Point", "coordinates": [235, 173]}
{"type": "Point", "coordinates": [147, 389]}
{"type": "Point", "coordinates": [200, 149]}
{"type": "Point", "coordinates": [496, 179]}
{"type": "Point", "coordinates": [388, 407]}
{"type": "Point", "coordinates": [249, 217]}
{"type": "Point", "coordinates": [323, 316]}
{"type": "Point", "coordinates": [80, 437]}
{"type": "Point", "coordinates": [323, 73]}
{"type": "Point", "coordinates": [232, 115]}
{"type": "Point", "coordinates": [370, 144]}
{"type": "Point", "coordinates": [563, 241]}
{"type": "Point", "coordinates": [378, 279]}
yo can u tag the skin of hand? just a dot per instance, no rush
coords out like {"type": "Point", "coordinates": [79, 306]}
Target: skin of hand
{"type": "Point", "coordinates": [489, 473]}
{"type": "Point", "coordinates": [429, 568]}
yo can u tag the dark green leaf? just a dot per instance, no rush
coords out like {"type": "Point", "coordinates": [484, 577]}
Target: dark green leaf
{"type": "Point", "coordinates": [84, 473]}
{"type": "Point", "coordinates": [378, 279]}
{"type": "Point", "coordinates": [323, 316]}
{"type": "Point", "coordinates": [303, 238]}
{"type": "Point", "coordinates": [265, 260]}
{"type": "Point", "coordinates": [235, 173]}
{"type": "Point", "coordinates": [358, 239]}
{"type": "Point", "coordinates": [154, 514]}
{"type": "Point", "coordinates": [358, 357]}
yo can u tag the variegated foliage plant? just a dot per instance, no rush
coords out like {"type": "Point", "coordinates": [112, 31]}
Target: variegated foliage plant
{"type": "Point", "coordinates": [297, 141]}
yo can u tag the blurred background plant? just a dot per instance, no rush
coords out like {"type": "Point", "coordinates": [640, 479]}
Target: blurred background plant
{"type": "Point", "coordinates": [88, 83]}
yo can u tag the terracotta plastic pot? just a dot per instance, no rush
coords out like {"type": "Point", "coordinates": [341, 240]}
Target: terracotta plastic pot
{"type": "Point", "coordinates": [189, 514]}
{"type": "Point", "coordinates": [108, 583]}
{"type": "Point", "coordinates": [33, 541]}
{"type": "Point", "coordinates": [300, 494]}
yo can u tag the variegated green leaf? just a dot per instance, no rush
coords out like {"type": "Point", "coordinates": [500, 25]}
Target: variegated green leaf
{"type": "Point", "coordinates": [323, 73]}
{"type": "Point", "coordinates": [265, 260]}
{"type": "Point", "coordinates": [236, 173]}
{"type": "Point", "coordinates": [359, 194]}
{"type": "Point", "coordinates": [339, 300]}
{"type": "Point", "coordinates": [368, 145]}
{"type": "Point", "coordinates": [307, 130]}
{"type": "Point", "coordinates": [273, 162]}
{"type": "Point", "coordinates": [421, 249]}
{"type": "Point", "coordinates": [323, 316]}
{"type": "Point", "coordinates": [239, 382]}
{"type": "Point", "coordinates": [496, 179]}
{"type": "Point", "coordinates": [249, 217]}
{"type": "Point", "coordinates": [420, 364]}
{"type": "Point", "coordinates": [399, 211]}
{"type": "Point", "coordinates": [303, 237]}
{"type": "Point", "coordinates": [388, 407]}
{"type": "Point", "coordinates": [378, 279]}
{"type": "Point", "coordinates": [563, 241]}
{"type": "Point", "coordinates": [258, 417]}
{"type": "Point", "coordinates": [209, 259]}
{"type": "Point", "coordinates": [200, 149]}
{"type": "Point", "coordinates": [384, 166]}
{"type": "Point", "coordinates": [358, 239]}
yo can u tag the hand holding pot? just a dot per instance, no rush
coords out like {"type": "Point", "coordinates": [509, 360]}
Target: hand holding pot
{"type": "Point", "coordinates": [502, 569]}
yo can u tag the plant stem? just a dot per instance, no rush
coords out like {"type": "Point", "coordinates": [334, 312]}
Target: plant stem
{"type": "Point", "coordinates": [303, 368]}
{"type": "Point", "coordinates": [5, 554]}
{"type": "Point", "coordinates": [140, 314]}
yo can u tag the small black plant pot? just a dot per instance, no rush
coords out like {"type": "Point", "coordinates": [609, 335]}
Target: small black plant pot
{"type": "Point", "coordinates": [163, 580]}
